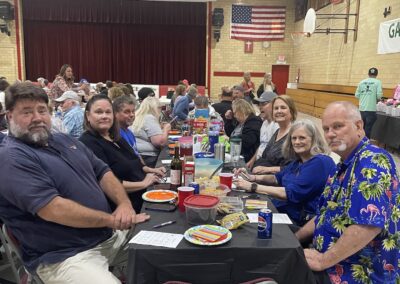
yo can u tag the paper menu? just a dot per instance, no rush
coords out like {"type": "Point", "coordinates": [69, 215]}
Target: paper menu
{"type": "Point", "coordinates": [158, 239]}
{"type": "Point", "coordinates": [256, 204]}
{"type": "Point", "coordinates": [277, 218]}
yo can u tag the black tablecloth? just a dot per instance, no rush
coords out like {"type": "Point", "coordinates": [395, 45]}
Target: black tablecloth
{"type": "Point", "coordinates": [387, 130]}
{"type": "Point", "coordinates": [243, 258]}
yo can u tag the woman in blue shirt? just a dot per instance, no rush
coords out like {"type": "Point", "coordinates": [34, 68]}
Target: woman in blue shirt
{"type": "Point", "coordinates": [297, 187]}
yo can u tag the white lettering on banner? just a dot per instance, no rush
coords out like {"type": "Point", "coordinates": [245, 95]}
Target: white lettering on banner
{"type": "Point", "coordinates": [389, 37]}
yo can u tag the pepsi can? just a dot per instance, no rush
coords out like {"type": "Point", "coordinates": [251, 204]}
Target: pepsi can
{"type": "Point", "coordinates": [196, 187]}
{"type": "Point", "coordinates": [265, 224]}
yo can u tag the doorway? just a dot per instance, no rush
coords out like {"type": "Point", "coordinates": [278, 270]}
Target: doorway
{"type": "Point", "coordinates": [280, 77]}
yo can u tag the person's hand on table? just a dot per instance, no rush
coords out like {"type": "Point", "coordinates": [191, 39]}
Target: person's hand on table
{"type": "Point", "coordinates": [260, 170]}
{"type": "Point", "coordinates": [160, 172]}
{"type": "Point", "coordinates": [124, 216]}
{"type": "Point", "coordinates": [315, 259]}
{"type": "Point", "coordinates": [237, 171]}
{"type": "Point", "coordinates": [142, 217]}
{"type": "Point", "coordinates": [150, 179]}
{"type": "Point", "coordinates": [243, 184]}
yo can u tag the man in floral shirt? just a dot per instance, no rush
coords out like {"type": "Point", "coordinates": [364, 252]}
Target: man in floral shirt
{"type": "Point", "coordinates": [355, 234]}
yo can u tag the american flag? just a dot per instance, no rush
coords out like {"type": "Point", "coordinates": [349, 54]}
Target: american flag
{"type": "Point", "coordinates": [258, 23]}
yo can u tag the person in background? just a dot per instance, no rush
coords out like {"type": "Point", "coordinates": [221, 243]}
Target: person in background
{"type": "Point", "coordinates": [356, 230]}
{"type": "Point", "coordinates": [61, 219]}
{"type": "Point", "coordinates": [150, 135]}
{"type": "Point", "coordinates": [124, 108]}
{"type": "Point", "coordinates": [181, 107]}
{"type": "Point", "coordinates": [180, 92]}
{"type": "Point", "coordinates": [248, 86]}
{"type": "Point", "coordinates": [114, 93]}
{"type": "Point", "coordinates": [284, 113]}
{"type": "Point", "coordinates": [72, 113]}
{"type": "Point", "coordinates": [225, 104]}
{"type": "Point", "coordinates": [3, 86]}
{"type": "Point", "coordinates": [201, 102]}
{"type": "Point", "coordinates": [268, 128]}
{"type": "Point", "coordinates": [62, 83]}
{"type": "Point", "coordinates": [102, 137]}
{"type": "Point", "coordinates": [369, 92]}
{"type": "Point", "coordinates": [3, 121]}
{"type": "Point", "coordinates": [84, 85]}
{"type": "Point", "coordinates": [267, 85]}
{"type": "Point", "coordinates": [230, 121]}
{"type": "Point", "coordinates": [248, 127]}
{"type": "Point", "coordinates": [144, 93]}
{"type": "Point", "coordinates": [296, 189]}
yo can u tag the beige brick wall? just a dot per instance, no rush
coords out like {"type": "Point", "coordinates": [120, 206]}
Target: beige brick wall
{"type": "Point", "coordinates": [228, 55]}
{"type": "Point", "coordinates": [8, 50]}
{"type": "Point", "coordinates": [327, 59]}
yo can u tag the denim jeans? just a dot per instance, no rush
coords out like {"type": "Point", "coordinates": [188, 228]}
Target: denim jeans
{"type": "Point", "coordinates": [369, 118]}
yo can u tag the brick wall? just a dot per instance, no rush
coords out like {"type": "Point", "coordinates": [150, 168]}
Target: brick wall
{"type": "Point", "coordinates": [9, 50]}
{"type": "Point", "coordinates": [228, 55]}
{"type": "Point", "coordinates": [327, 59]}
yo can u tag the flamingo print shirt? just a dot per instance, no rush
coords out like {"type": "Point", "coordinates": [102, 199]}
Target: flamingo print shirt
{"type": "Point", "coordinates": [364, 191]}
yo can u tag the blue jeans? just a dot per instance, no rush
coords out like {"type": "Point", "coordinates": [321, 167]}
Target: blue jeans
{"type": "Point", "coordinates": [369, 118]}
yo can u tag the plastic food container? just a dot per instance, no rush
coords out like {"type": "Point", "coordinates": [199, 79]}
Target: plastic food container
{"type": "Point", "coordinates": [201, 209]}
{"type": "Point", "coordinates": [231, 204]}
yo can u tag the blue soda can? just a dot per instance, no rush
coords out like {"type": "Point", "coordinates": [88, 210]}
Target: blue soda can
{"type": "Point", "coordinates": [213, 137]}
{"type": "Point", "coordinates": [265, 224]}
{"type": "Point", "coordinates": [196, 187]}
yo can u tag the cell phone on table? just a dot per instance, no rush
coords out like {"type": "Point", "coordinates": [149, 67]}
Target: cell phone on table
{"type": "Point", "coordinates": [163, 207]}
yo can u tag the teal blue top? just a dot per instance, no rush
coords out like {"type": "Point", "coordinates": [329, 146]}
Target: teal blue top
{"type": "Point", "coordinates": [369, 91]}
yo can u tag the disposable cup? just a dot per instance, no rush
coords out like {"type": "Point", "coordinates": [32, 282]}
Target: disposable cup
{"type": "Point", "coordinates": [226, 179]}
{"type": "Point", "coordinates": [183, 192]}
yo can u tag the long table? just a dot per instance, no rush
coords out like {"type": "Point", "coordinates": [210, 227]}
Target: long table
{"type": "Point", "coordinates": [243, 258]}
{"type": "Point", "coordinates": [386, 130]}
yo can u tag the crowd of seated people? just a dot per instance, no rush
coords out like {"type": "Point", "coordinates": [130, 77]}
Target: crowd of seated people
{"type": "Point", "coordinates": [114, 162]}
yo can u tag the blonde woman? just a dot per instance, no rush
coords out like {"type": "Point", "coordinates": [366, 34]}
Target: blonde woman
{"type": "Point", "coordinates": [248, 128]}
{"type": "Point", "coordinates": [150, 135]}
{"type": "Point", "coordinates": [267, 85]}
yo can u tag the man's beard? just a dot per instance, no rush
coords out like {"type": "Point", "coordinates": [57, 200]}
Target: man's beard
{"type": "Point", "coordinates": [39, 138]}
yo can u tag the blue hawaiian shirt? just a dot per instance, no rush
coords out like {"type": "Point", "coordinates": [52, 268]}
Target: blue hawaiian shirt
{"type": "Point", "coordinates": [364, 191]}
{"type": "Point", "coordinates": [73, 121]}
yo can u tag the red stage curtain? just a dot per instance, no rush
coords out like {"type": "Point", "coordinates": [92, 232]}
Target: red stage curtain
{"type": "Point", "coordinates": [126, 41]}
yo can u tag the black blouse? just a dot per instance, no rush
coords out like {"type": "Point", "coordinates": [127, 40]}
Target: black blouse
{"type": "Point", "coordinates": [122, 160]}
{"type": "Point", "coordinates": [272, 155]}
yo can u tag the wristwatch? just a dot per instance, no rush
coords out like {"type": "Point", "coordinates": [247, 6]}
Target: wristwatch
{"type": "Point", "coordinates": [253, 187]}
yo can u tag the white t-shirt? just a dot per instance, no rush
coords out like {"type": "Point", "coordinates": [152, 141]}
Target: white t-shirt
{"type": "Point", "coordinates": [267, 130]}
{"type": "Point", "coordinates": [2, 100]}
{"type": "Point", "coordinates": [150, 128]}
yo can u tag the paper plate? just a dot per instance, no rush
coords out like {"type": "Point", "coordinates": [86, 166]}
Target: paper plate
{"type": "Point", "coordinates": [159, 195]}
{"type": "Point", "coordinates": [190, 235]}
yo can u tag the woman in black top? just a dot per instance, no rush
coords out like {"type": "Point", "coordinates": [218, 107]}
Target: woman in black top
{"type": "Point", "coordinates": [248, 128]}
{"type": "Point", "coordinates": [102, 137]}
{"type": "Point", "coordinates": [284, 112]}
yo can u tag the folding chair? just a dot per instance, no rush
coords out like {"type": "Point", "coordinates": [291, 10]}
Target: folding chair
{"type": "Point", "coordinates": [13, 253]}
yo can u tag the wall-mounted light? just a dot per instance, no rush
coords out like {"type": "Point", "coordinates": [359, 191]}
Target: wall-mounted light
{"type": "Point", "coordinates": [387, 11]}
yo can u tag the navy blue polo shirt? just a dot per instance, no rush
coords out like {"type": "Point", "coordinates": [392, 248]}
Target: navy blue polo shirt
{"type": "Point", "coordinates": [30, 177]}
